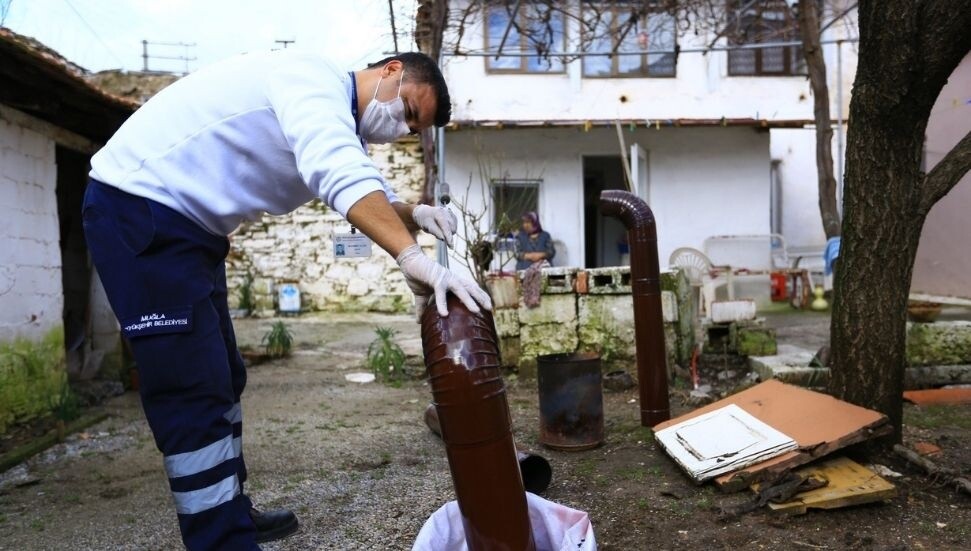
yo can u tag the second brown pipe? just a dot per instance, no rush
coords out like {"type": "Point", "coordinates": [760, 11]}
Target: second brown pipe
{"type": "Point", "coordinates": [645, 275]}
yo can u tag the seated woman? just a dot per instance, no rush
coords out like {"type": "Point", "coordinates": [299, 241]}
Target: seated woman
{"type": "Point", "coordinates": [532, 243]}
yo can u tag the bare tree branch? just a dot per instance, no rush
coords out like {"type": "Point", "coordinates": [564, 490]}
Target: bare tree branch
{"type": "Point", "coordinates": [946, 174]}
{"type": "Point", "coordinates": [839, 17]}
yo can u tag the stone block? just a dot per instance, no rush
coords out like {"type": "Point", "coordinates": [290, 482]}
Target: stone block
{"type": "Point", "coordinates": [676, 282]}
{"type": "Point", "coordinates": [669, 307]}
{"type": "Point", "coordinates": [939, 343]}
{"type": "Point", "coordinates": [792, 368]}
{"type": "Point", "coordinates": [527, 367]}
{"type": "Point", "coordinates": [754, 341]}
{"type": "Point", "coordinates": [548, 338]}
{"type": "Point", "coordinates": [507, 322]}
{"type": "Point", "coordinates": [612, 280]}
{"type": "Point", "coordinates": [558, 281]}
{"type": "Point", "coordinates": [504, 291]}
{"type": "Point", "coordinates": [340, 271]}
{"type": "Point", "coordinates": [357, 287]}
{"type": "Point", "coordinates": [551, 309]}
{"type": "Point", "coordinates": [370, 271]}
{"type": "Point", "coordinates": [606, 326]}
{"type": "Point", "coordinates": [510, 349]}
{"type": "Point", "coordinates": [728, 311]}
{"type": "Point", "coordinates": [930, 376]}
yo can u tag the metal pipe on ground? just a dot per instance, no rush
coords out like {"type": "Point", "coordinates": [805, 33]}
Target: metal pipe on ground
{"type": "Point", "coordinates": [535, 469]}
{"type": "Point", "coordinates": [462, 358]}
{"type": "Point", "coordinates": [645, 274]}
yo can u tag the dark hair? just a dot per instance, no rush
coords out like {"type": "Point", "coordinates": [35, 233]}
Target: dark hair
{"type": "Point", "coordinates": [422, 69]}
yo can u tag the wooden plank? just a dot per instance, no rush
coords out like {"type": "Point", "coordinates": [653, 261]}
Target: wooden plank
{"type": "Point", "coordinates": [849, 483]}
{"type": "Point", "coordinates": [819, 423]}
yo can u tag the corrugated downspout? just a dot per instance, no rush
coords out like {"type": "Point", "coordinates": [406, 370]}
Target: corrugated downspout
{"type": "Point", "coordinates": [535, 469]}
{"type": "Point", "coordinates": [645, 273]}
{"type": "Point", "coordinates": [462, 358]}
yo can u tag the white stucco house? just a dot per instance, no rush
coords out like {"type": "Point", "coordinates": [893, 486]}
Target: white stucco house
{"type": "Point", "coordinates": [718, 142]}
{"type": "Point", "coordinates": [52, 305]}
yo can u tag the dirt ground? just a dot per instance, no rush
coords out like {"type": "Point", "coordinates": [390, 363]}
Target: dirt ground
{"type": "Point", "coordinates": [361, 470]}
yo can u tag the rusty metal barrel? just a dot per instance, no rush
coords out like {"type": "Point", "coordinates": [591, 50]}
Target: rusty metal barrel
{"type": "Point", "coordinates": [571, 410]}
{"type": "Point", "coordinates": [462, 358]}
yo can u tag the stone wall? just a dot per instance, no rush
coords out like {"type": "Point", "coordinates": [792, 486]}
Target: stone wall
{"type": "Point", "coordinates": [298, 248]}
{"type": "Point", "coordinates": [599, 319]}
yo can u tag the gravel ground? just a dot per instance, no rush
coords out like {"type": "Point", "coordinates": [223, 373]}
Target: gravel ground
{"type": "Point", "coordinates": [362, 472]}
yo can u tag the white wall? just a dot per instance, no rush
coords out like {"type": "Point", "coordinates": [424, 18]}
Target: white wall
{"type": "Point", "coordinates": [704, 181]}
{"type": "Point", "coordinates": [796, 151]}
{"type": "Point", "coordinates": [31, 299]}
{"type": "Point", "coordinates": [701, 89]}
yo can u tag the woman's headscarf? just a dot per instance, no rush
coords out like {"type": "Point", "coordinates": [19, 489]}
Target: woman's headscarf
{"type": "Point", "coordinates": [533, 219]}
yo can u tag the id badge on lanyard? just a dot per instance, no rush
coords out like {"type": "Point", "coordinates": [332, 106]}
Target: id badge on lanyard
{"type": "Point", "coordinates": [352, 244]}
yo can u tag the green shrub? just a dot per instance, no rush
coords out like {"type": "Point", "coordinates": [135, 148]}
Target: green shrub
{"type": "Point", "coordinates": [278, 341]}
{"type": "Point", "coordinates": [385, 358]}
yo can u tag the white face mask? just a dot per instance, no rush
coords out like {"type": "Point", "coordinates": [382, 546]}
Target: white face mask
{"type": "Point", "coordinates": [384, 121]}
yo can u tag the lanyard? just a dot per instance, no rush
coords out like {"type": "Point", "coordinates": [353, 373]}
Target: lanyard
{"type": "Point", "coordinates": [354, 109]}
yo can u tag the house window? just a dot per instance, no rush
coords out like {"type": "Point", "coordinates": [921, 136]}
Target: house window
{"type": "Point", "coordinates": [628, 28]}
{"type": "Point", "coordinates": [538, 30]}
{"type": "Point", "coordinates": [511, 199]}
{"type": "Point", "coordinates": [763, 22]}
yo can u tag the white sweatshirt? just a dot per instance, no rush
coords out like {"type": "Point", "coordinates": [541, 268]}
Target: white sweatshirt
{"type": "Point", "coordinates": [255, 133]}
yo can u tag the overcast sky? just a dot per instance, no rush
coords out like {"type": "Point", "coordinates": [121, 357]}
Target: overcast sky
{"type": "Point", "coordinates": [108, 34]}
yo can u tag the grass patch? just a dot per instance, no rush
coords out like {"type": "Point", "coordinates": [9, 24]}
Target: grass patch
{"type": "Point", "coordinates": [938, 416]}
{"type": "Point", "coordinates": [635, 474]}
{"type": "Point", "coordinates": [586, 467]}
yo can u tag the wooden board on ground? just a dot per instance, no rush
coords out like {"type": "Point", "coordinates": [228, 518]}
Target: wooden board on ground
{"type": "Point", "coordinates": [849, 483]}
{"type": "Point", "coordinates": [819, 423]}
{"type": "Point", "coordinates": [939, 396]}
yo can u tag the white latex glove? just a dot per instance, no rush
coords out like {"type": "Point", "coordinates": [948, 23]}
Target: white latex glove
{"type": "Point", "coordinates": [438, 221]}
{"type": "Point", "coordinates": [425, 277]}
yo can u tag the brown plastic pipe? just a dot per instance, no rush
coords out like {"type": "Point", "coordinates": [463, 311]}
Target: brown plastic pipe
{"type": "Point", "coordinates": [534, 469]}
{"type": "Point", "coordinates": [645, 275]}
{"type": "Point", "coordinates": [462, 359]}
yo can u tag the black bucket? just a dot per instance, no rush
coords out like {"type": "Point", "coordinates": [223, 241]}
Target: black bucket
{"type": "Point", "coordinates": [571, 412]}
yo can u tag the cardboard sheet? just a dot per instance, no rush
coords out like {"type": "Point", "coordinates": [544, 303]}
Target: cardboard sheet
{"type": "Point", "coordinates": [820, 424]}
{"type": "Point", "coordinates": [722, 441]}
{"type": "Point", "coordinates": [848, 483]}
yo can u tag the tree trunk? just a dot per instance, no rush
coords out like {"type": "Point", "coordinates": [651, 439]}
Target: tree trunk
{"type": "Point", "coordinates": [907, 51]}
{"type": "Point", "coordinates": [813, 52]}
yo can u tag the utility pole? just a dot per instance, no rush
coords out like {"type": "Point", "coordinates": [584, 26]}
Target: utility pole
{"type": "Point", "coordinates": [185, 58]}
{"type": "Point", "coordinates": [394, 31]}
{"type": "Point", "coordinates": [284, 42]}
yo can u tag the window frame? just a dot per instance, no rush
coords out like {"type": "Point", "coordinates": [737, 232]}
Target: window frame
{"type": "Point", "coordinates": [524, 44]}
{"type": "Point", "coordinates": [614, 57]}
{"type": "Point", "coordinates": [790, 54]}
{"type": "Point", "coordinates": [495, 183]}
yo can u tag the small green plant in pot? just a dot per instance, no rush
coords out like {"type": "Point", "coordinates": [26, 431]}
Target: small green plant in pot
{"type": "Point", "coordinates": [278, 341]}
{"type": "Point", "coordinates": [385, 358]}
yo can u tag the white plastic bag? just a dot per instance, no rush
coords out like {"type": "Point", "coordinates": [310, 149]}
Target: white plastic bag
{"type": "Point", "coordinates": [555, 528]}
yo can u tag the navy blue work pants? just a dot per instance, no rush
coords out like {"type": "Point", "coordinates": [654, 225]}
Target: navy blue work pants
{"type": "Point", "coordinates": [165, 277]}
